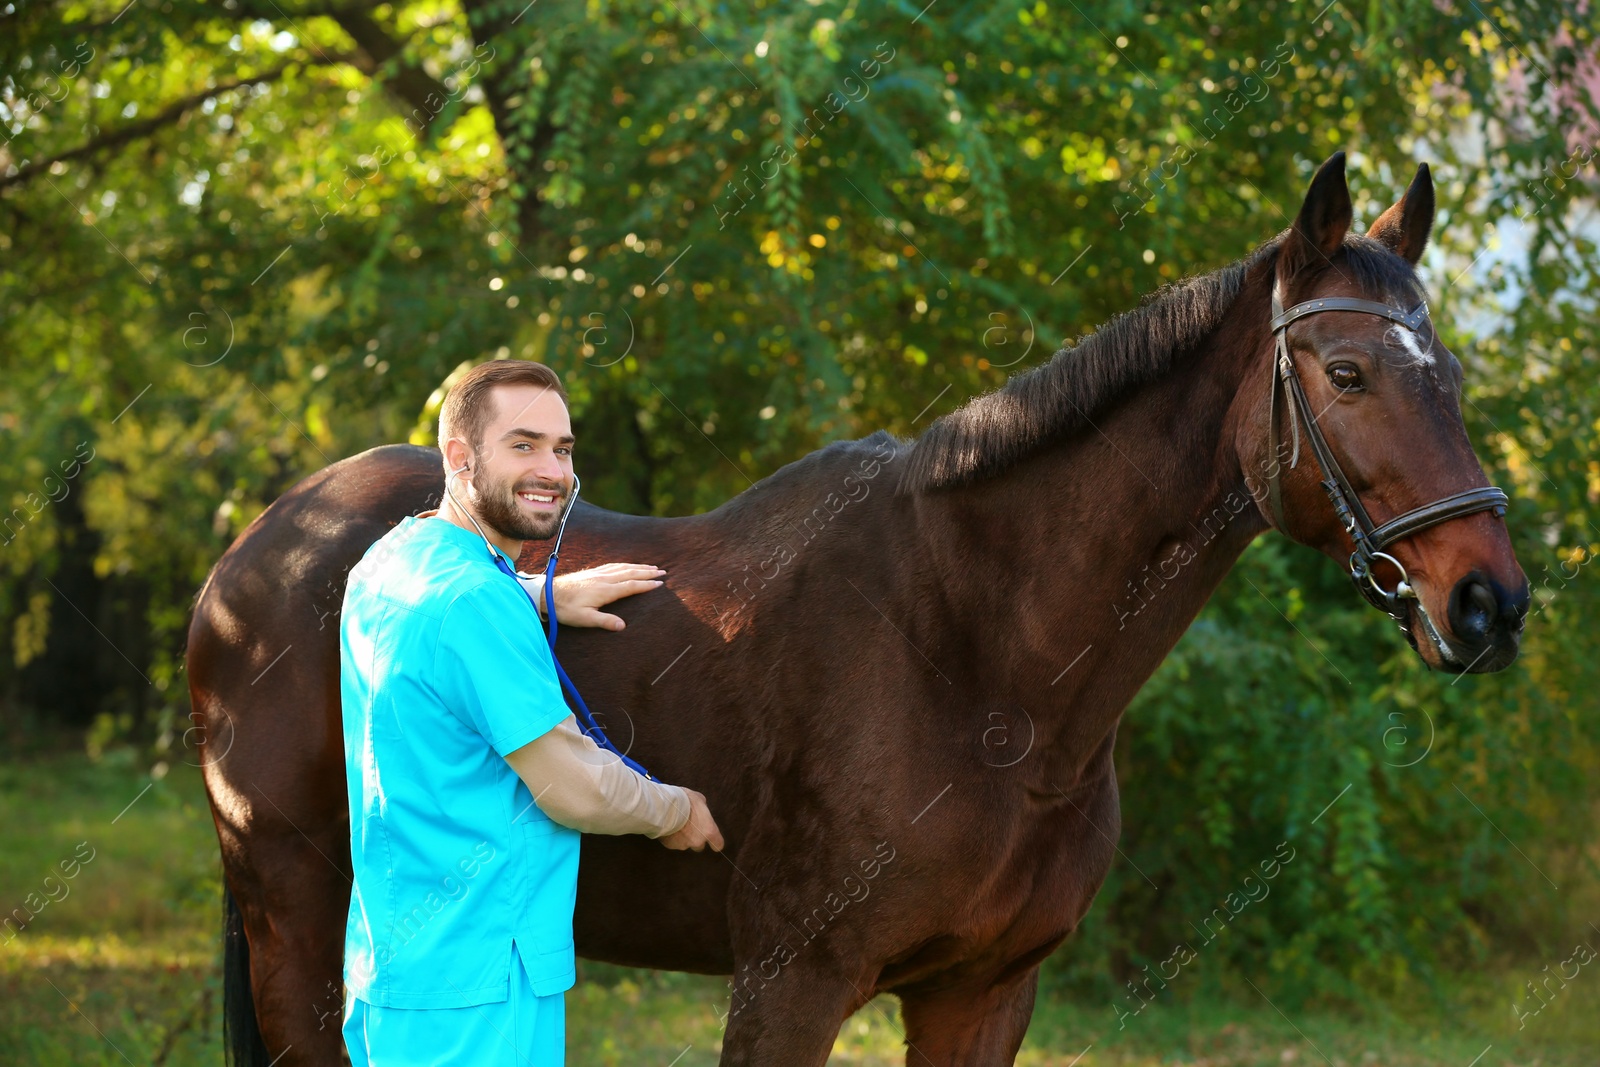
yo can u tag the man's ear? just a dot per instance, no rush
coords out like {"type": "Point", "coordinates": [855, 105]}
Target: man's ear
{"type": "Point", "coordinates": [1323, 221]}
{"type": "Point", "coordinates": [455, 454]}
{"type": "Point", "coordinates": [1406, 225]}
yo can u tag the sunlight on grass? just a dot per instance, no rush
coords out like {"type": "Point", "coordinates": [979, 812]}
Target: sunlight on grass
{"type": "Point", "coordinates": [125, 964]}
{"type": "Point", "coordinates": [108, 951]}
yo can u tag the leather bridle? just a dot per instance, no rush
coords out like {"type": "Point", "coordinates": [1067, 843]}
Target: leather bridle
{"type": "Point", "coordinates": [1370, 540]}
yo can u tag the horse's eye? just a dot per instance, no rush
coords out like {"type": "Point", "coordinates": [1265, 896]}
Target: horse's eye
{"type": "Point", "coordinates": [1344, 377]}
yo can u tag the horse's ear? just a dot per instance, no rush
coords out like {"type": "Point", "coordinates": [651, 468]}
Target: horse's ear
{"type": "Point", "coordinates": [1324, 218]}
{"type": "Point", "coordinates": [1406, 225]}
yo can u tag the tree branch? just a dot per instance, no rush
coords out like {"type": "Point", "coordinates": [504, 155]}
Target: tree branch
{"type": "Point", "coordinates": [501, 84]}
{"type": "Point", "coordinates": [167, 116]}
{"type": "Point", "coordinates": [410, 83]}
{"type": "Point", "coordinates": [411, 86]}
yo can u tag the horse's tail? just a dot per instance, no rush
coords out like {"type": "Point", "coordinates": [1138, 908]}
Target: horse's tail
{"type": "Point", "coordinates": [241, 1036]}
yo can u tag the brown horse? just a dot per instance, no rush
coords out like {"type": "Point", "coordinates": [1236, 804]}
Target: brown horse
{"type": "Point", "coordinates": [826, 655]}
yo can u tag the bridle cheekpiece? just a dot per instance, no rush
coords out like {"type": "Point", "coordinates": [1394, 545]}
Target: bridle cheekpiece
{"type": "Point", "coordinates": [1370, 539]}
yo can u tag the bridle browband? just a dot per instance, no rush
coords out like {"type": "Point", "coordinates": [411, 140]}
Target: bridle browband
{"type": "Point", "coordinates": [1370, 540]}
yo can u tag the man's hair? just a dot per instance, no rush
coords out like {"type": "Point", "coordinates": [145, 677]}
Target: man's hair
{"type": "Point", "coordinates": [470, 402]}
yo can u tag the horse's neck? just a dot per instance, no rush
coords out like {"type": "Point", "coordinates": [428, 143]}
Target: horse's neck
{"type": "Point", "coordinates": [1076, 572]}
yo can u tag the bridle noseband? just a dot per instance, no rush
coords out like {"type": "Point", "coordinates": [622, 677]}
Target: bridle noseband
{"type": "Point", "coordinates": [1370, 540]}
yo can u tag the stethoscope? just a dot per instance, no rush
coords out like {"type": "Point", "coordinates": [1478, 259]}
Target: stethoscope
{"type": "Point", "coordinates": [585, 717]}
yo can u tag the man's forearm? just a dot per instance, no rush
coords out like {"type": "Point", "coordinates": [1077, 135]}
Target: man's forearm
{"type": "Point", "coordinates": [580, 785]}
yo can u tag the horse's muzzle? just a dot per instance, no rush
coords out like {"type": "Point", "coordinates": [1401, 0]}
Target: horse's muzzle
{"type": "Point", "coordinates": [1486, 621]}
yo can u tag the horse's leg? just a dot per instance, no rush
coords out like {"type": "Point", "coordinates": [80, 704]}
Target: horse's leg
{"type": "Point", "coordinates": [292, 897]}
{"type": "Point", "coordinates": [792, 1020]}
{"type": "Point", "coordinates": [789, 995]}
{"type": "Point", "coordinates": [278, 802]}
{"type": "Point", "coordinates": [968, 1026]}
{"type": "Point", "coordinates": [293, 904]}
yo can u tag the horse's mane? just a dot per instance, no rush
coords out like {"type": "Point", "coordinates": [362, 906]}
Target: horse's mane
{"type": "Point", "coordinates": [1057, 399]}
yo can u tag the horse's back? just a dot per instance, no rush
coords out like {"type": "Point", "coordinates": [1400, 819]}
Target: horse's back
{"type": "Point", "coordinates": [263, 650]}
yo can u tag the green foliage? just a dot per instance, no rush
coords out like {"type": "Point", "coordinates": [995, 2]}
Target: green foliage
{"type": "Point", "coordinates": [244, 240]}
{"type": "Point", "coordinates": [1292, 714]}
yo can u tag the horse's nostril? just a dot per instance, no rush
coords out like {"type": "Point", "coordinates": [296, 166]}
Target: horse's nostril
{"type": "Point", "coordinates": [1473, 609]}
{"type": "Point", "coordinates": [1515, 608]}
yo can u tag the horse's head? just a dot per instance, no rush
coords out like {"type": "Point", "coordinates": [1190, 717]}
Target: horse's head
{"type": "Point", "coordinates": [1362, 384]}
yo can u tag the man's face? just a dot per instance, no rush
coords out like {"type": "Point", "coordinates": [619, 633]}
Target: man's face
{"type": "Point", "coordinates": [523, 470]}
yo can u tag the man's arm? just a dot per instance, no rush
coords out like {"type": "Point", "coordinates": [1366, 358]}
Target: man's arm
{"type": "Point", "coordinates": [580, 785]}
{"type": "Point", "coordinates": [493, 666]}
{"type": "Point", "coordinates": [581, 594]}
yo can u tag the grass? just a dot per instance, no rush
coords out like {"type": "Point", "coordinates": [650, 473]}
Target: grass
{"type": "Point", "coordinates": [121, 968]}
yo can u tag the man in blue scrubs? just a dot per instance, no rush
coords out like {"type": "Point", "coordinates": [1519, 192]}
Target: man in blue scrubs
{"type": "Point", "coordinates": [469, 781]}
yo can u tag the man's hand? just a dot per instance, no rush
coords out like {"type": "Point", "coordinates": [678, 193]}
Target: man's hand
{"type": "Point", "coordinates": [581, 594]}
{"type": "Point", "coordinates": [701, 829]}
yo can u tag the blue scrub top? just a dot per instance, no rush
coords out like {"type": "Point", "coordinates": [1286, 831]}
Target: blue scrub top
{"type": "Point", "coordinates": [443, 670]}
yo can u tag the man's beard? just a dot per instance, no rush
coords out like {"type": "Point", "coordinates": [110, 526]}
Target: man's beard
{"type": "Point", "coordinates": [497, 506]}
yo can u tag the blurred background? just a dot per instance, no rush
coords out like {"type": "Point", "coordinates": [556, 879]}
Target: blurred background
{"type": "Point", "coordinates": [241, 240]}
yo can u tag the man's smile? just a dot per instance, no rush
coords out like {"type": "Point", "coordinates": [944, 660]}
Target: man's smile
{"type": "Point", "coordinates": [538, 499]}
